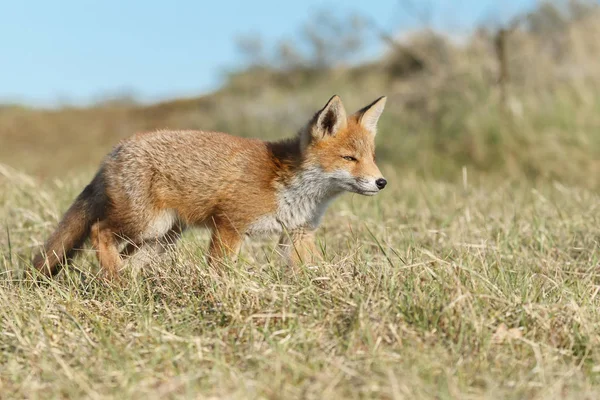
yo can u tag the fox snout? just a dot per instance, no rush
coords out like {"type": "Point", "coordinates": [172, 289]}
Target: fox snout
{"type": "Point", "coordinates": [369, 186]}
{"type": "Point", "coordinates": [371, 182]}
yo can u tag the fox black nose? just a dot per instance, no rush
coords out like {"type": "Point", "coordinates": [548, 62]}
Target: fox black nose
{"type": "Point", "coordinates": [381, 183]}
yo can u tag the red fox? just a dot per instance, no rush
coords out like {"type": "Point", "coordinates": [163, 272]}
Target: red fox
{"type": "Point", "coordinates": [154, 185]}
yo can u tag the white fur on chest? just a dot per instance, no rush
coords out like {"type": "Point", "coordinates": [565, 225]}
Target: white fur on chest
{"type": "Point", "coordinates": [300, 204]}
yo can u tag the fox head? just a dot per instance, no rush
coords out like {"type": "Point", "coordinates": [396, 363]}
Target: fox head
{"type": "Point", "coordinates": [343, 147]}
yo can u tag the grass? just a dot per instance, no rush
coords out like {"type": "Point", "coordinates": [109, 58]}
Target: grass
{"type": "Point", "coordinates": [433, 289]}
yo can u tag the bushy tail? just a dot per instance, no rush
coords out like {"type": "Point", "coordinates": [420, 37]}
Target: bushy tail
{"type": "Point", "coordinates": [73, 229]}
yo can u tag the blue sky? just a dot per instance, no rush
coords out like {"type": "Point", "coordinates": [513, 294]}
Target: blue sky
{"type": "Point", "coordinates": [77, 51]}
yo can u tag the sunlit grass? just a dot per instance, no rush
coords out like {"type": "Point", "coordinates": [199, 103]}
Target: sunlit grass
{"type": "Point", "coordinates": [430, 290]}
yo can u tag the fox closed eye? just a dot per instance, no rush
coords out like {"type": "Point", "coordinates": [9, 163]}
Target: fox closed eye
{"type": "Point", "coordinates": [349, 158]}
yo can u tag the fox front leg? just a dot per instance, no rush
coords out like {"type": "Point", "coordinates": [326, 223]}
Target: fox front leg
{"type": "Point", "coordinates": [298, 247]}
{"type": "Point", "coordinates": [225, 245]}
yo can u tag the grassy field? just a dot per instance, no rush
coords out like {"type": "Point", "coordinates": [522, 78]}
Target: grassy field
{"type": "Point", "coordinates": [430, 290]}
{"type": "Point", "coordinates": [474, 275]}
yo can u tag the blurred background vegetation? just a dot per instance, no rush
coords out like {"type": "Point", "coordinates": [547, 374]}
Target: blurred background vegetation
{"type": "Point", "coordinates": [517, 100]}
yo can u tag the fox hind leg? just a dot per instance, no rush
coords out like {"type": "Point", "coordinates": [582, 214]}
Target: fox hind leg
{"type": "Point", "coordinates": [143, 252]}
{"type": "Point", "coordinates": [105, 243]}
{"type": "Point", "coordinates": [131, 247]}
{"type": "Point", "coordinates": [170, 239]}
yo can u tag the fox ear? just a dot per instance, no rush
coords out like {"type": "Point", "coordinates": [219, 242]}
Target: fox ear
{"type": "Point", "coordinates": [330, 119]}
{"type": "Point", "coordinates": [369, 115]}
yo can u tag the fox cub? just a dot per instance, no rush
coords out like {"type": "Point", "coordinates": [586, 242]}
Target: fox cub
{"type": "Point", "coordinates": [153, 186]}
